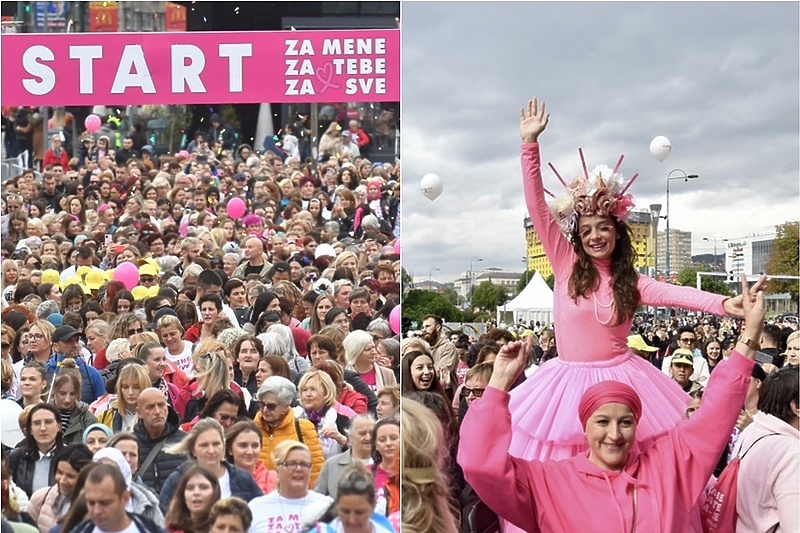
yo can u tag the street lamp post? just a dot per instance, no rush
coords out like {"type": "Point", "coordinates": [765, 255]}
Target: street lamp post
{"type": "Point", "coordinates": [655, 214]}
{"type": "Point", "coordinates": [430, 273]}
{"type": "Point", "coordinates": [715, 240]}
{"type": "Point", "coordinates": [685, 177]}
{"type": "Point", "coordinates": [471, 281]}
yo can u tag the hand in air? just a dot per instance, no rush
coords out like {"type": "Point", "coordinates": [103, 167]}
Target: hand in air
{"type": "Point", "coordinates": [510, 361]}
{"type": "Point", "coordinates": [737, 306]}
{"type": "Point", "coordinates": [532, 121]}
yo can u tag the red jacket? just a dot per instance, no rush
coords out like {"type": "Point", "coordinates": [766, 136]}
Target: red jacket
{"type": "Point", "coordinates": [51, 158]}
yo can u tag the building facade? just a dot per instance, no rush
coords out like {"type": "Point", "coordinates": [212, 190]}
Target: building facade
{"type": "Point", "coordinates": [680, 250]}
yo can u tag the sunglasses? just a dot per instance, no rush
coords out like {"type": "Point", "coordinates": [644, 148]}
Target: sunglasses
{"type": "Point", "coordinates": [132, 331]}
{"type": "Point", "coordinates": [688, 340]}
{"type": "Point", "coordinates": [476, 391]}
{"type": "Point", "coordinates": [147, 279]}
{"type": "Point", "coordinates": [267, 406]}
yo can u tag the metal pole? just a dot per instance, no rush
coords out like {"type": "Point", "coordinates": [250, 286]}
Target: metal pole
{"type": "Point", "coordinates": [667, 250]}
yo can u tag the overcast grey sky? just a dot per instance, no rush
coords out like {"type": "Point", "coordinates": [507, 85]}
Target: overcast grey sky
{"type": "Point", "coordinates": [719, 79]}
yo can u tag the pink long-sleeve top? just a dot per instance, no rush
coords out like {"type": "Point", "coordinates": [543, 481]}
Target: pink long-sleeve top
{"type": "Point", "coordinates": [586, 313]}
{"type": "Point", "coordinates": [576, 495]}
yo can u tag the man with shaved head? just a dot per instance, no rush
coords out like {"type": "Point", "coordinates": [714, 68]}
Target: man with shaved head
{"type": "Point", "coordinates": [158, 427]}
{"type": "Point", "coordinates": [256, 263]}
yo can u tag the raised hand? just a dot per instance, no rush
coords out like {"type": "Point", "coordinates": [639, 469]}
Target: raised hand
{"type": "Point", "coordinates": [735, 306]}
{"type": "Point", "coordinates": [510, 361]}
{"type": "Point", "coordinates": [532, 121]}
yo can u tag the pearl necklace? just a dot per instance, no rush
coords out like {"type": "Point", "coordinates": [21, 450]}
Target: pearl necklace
{"type": "Point", "coordinates": [605, 306]}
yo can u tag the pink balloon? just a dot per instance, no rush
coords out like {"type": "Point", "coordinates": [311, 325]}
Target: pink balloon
{"type": "Point", "coordinates": [236, 208]}
{"type": "Point", "coordinates": [128, 274]}
{"type": "Point", "coordinates": [92, 123]}
{"type": "Point", "coordinates": [397, 246]}
{"type": "Point", "coordinates": [394, 319]}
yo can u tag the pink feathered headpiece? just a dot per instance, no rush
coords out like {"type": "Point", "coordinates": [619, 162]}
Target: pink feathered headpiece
{"type": "Point", "coordinates": [600, 192]}
{"type": "Point", "coordinates": [608, 392]}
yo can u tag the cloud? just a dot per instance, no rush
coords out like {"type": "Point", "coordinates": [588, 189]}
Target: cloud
{"type": "Point", "coordinates": [720, 80]}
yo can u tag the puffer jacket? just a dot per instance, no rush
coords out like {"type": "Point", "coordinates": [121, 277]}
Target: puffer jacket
{"type": "Point", "coordinates": [287, 431]}
{"type": "Point", "coordinates": [80, 419]}
{"type": "Point", "coordinates": [242, 484]}
{"type": "Point", "coordinates": [45, 507]}
{"type": "Point", "coordinates": [22, 463]}
{"type": "Point", "coordinates": [164, 463]}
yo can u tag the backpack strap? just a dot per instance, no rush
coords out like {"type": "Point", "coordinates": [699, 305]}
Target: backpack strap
{"type": "Point", "coordinates": [754, 443]}
{"type": "Point", "coordinates": [150, 457]}
{"type": "Point", "coordinates": [298, 430]}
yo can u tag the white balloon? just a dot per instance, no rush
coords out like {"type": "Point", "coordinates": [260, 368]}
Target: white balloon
{"type": "Point", "coordinates": [11, 433]}
{"type": "Point", "coordinates": [660, 147]}
{"type": "Point", "coordinates": [431, 186]}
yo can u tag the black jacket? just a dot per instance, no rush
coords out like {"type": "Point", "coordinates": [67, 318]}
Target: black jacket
{"type": "Point", "coordinates": [165, 463]}
{"type": "Point", "coordinates": [242, 485]}
{"type": "Point", "coordinates": [144, 525]}
{"type": "Point", "coordinates": [22, 463]}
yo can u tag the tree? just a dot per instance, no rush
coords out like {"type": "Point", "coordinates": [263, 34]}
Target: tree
{"type": "Point", "coordinates": [489, 296]}
{"type": "Point", "coordinates": [785, 259]}
{"type": "Point", "coordinates": [450, 294]}
{"type": "Point", "coordinates": [406, 281]}
{"type": "Point", "coordinates": [688, 278]}
{"type": "Point", "coordinates": [418, 303]}
{"type": "Point", "coordinates": [551, 281]}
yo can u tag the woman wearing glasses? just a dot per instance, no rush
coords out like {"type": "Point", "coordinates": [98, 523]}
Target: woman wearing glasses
{"type": "Point", "coordinates": [284, 509]}
{"type": "Point", "coordinates": [277, 423]}
{"type": "Point", "coordinates": [205, 446]}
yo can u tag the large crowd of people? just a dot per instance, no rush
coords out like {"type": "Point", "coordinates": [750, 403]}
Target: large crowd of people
{"type": "Point", "coordinates": [200, 341]}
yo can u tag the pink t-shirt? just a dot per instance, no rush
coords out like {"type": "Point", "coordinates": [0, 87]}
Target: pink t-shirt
{"type": "Point", "coordinates": [369, 379]}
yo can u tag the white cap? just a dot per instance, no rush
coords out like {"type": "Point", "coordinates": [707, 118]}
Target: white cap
{"type": "Point", "coordinates": [323, 250]}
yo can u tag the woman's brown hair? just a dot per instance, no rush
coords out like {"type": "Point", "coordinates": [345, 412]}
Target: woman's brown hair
{"type": "Point", "coordinates": [586, 278]}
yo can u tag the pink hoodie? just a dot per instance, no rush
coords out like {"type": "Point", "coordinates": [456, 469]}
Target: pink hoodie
{"type": "Point", "coordinates": [575, 495]}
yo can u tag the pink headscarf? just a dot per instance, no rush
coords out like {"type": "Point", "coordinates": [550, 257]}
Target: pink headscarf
{"type": "Point", "coordinates": [608, 392]}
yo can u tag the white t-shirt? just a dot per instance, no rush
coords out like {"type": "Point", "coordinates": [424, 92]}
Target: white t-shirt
{"type": "Point", "coordinates": [130, 529]}
{"type": "Point", "coordinates": [225, 484]}
{"type": "Point", "coordinates": [183, 360]}
{"type": "Point", "coordinates": [275, 514]}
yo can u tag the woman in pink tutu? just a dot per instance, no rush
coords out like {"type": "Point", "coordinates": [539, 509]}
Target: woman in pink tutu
{"type": "Point", "coordinates": [597, 291]}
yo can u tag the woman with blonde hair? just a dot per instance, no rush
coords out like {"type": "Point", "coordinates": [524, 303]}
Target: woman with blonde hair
{"type": "Point", "coordinates": [211, 374]}
{"type": "Point", "coordinates": [132, 379]}
{"type": "Point", "coordinates": [319, 405]}
{"type": "Point", "coordinates": [424, 488]}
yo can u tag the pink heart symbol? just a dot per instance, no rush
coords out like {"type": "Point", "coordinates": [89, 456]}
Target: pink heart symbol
{"type": "Point", "coordinates": [325, 75]}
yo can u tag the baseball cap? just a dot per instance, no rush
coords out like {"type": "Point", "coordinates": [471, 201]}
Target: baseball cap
{"type": "Point", "coordinates": [281, 266]}
{"type": "Point", "coordinates": [324, 249]}
{"type": "Point", "coordinates": [637, 342]}
{"type": "Point", "coordinates": [56, 319]}
{"type": "Point", "coordinates": [240, 176]}
{"type": "Point", "coordinates": [51, 276]}
{"type": "Point", "coordinates": [95, 279]}
{"type": "Point", "coordinates": [148, 269]}
{"type": "Point", "coordinates": [139, 292]}
{"type": "Point", "coordinates": [64, 333]}
{"type": "Point", "coordinates": [682, 356]}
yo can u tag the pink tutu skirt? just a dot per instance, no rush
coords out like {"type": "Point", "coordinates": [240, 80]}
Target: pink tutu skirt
{"type": "Point", "coordinates": [544, 408]}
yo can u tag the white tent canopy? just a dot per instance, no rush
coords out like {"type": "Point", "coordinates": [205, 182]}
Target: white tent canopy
{"type": "Point", "coordinates": [534, 303]}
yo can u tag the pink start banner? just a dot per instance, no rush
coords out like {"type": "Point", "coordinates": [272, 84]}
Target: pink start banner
{"type": "Point", "coordinates": [201, 67]}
